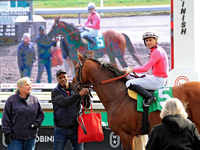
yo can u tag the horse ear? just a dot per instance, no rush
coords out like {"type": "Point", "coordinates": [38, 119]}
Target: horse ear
{"type": "Point", "coordinates": [80, 57]}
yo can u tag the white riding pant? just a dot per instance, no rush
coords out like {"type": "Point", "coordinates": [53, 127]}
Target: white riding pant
{"type": "Point", "coordinates": [148, 82]}
{"type": "Point", "coordinates": [91, 33]}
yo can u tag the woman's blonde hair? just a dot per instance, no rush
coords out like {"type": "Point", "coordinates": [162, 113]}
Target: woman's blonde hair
{"type": "Point", "coordinates": [21, 82]}
{"type": "Point", "coordinates": [172, 107]}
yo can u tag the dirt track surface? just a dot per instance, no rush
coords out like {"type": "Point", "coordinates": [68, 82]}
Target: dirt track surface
{"type": "Point", "coordinates": [134, 27]}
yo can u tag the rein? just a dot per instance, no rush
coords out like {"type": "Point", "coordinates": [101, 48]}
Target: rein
{"type": "Point", "coordinates": [73, 32]}
{"type": "Point", "coordinates": [114, 79]}
{"type": "Point", "coordinates": [76, 31]}
{"type": "Point", "coordinates": [79, 78]}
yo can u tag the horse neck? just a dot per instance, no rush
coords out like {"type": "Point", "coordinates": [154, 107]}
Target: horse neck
{"type": "Point", "coordinates": [51, 35]}
{"type": "Point", "coordinates": [108, 92]}
{"type": "Point", "coordinates": [70, 38]}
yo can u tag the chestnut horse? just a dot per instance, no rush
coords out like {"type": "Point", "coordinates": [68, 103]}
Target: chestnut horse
{"type": "Point", "coordinates": [123, 118]}
{"type": "Point", "coordinates": [115, 43]}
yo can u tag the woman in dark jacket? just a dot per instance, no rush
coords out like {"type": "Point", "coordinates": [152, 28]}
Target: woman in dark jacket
{"type": "Point", "coordinates": [22, 117]}
{"type": "Point", "coordinates": [175, 132]}
{"type": "Point", "coordinates": [26, 56]}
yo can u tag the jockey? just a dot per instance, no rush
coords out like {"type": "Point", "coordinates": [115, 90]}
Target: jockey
{"type": "Point", "coordinates": [158, 62]}
{"type": "Point", "coordinates": [92, 26]}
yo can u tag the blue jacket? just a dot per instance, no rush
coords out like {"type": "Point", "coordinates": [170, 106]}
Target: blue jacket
{"type": "Point", "coordinates": [19, 114]}
{"type": "Point", "coordinates": [44, 44]}
{"type": "Point", "coordinates": [26, 55]}
{"type": "Point", "coordinates": [66, 106]}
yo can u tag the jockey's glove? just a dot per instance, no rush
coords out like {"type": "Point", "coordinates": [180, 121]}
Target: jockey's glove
{"type": "Point", "coordinates": [129, 70]}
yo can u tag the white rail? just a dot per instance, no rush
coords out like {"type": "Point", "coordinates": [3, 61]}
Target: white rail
{"type": "Point", "coordinates": [45, 97]}
{"type": "Point", "coordinates": [42, 11]}
{"type": "Point", "coordinates": [79, 11]}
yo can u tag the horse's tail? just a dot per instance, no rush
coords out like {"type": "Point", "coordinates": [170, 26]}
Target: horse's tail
{"type": "Point", "coordinates": [131, 49]}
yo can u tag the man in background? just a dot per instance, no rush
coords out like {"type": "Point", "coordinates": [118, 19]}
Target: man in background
{"type": "Point", "coordinates": [44, 43]}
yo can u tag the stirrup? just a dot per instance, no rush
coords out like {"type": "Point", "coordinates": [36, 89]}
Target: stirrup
{"type": "Point", "coordinates": [151, 100]}
{"type": "Point", "coordinates": [145, 105]}
{"type": "Point", "coordinates": [91, 46]}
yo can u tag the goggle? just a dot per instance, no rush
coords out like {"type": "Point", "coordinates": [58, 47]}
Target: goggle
{"type": "Point", "coordinates": [148, 34]}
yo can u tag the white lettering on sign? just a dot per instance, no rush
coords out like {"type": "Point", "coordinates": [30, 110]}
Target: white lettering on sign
{"type": "Point", "coordinates": [183, 24]}
{"type": "Point", "coordinates": [44, 138]}
{"type": "Point", "coordinates": [34, 85]}
{"type": "Point", "coordinates": [114, 140]}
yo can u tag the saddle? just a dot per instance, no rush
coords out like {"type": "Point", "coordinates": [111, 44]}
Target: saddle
{"type": "Point", "coordinates": [133, 94]}
{"type": "Point", "coordinates": [161, 95]}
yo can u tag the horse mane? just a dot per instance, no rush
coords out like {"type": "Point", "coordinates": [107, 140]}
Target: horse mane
{"type": "Point", "coordinates": [71, 26]}
{"type": "Point", "coordinates": [108, 66]}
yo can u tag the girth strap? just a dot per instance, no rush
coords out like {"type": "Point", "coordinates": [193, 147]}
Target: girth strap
{"type": "Point", "coordinates": [145, 121]}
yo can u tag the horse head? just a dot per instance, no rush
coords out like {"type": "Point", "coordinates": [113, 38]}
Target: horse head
{"type": "Point", "coordinates": [76, 82]}
{"type": "Point", "coordinates": [63, 28]}
{"type": "Point", "coordinates": [91, 71]}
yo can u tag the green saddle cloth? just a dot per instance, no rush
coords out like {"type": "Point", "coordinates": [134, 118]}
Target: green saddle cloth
{"type": "Point", "coordinates": [100, 42]}
{"type": "Point", "coordinates": [161, 95]}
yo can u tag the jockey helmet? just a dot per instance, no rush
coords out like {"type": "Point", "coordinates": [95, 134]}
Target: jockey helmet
{"type": "Point", "coordinates": [41, 28]}
{"type": "Point", "coordinates": [91, 5]}
{"type": "Point", "coordinates": [149, 34]}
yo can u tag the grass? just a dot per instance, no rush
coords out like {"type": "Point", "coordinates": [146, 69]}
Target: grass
{"type": "Point", "coordinates": [106, 3]}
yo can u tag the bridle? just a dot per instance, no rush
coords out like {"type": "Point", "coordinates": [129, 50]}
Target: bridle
{"type": "Point", "coordinates": [81, 83]}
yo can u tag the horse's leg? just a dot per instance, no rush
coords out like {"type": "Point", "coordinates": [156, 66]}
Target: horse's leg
{"type": "Point", "coordinates": [127, 141]}
{"type": "Point", "coordinates": [111, 57]}
{"type": "Point", "coordinates": [122, 61]}
{"type": "Point", "coordinates": [118, 52]}
{"type": "Point", "coordinates": [140, 142]}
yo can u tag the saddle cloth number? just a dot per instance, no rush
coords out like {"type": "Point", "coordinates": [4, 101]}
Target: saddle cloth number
{"type": "Point", "coordinates": [161, 95]}
{"type": "Point", "coordinates": [100, 42]}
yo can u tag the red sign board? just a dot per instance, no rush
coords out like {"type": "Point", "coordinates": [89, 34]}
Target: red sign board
{"type": "Point", "coordinates": [181, 80]}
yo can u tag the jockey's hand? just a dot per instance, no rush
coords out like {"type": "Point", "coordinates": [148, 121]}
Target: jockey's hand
{"type": "Point", "coordinates": [128, 70]}
{"type": "Point", "coordinates": [78, 25]}
{"type": "Point", "coordinates": [57, 39]}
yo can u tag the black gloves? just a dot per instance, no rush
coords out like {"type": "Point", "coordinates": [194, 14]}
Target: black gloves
{"type": "Point", "coordinates": [7, 138]}
{"type": "Point", "coordinates": [35, 125]}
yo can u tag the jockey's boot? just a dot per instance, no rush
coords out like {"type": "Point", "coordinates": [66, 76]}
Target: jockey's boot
{"type": "Point", "coordinates": [148, 98]}
{"type": "Point", "coordinates": [91, 40]}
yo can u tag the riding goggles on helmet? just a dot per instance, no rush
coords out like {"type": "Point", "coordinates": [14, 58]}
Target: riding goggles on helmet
{"type": "Point", "coordinates": [149, 35]}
